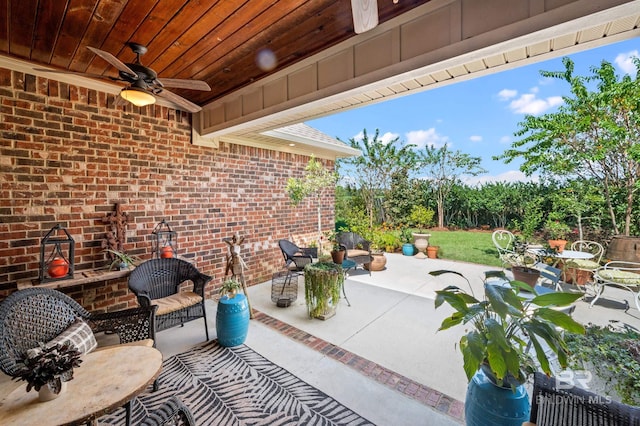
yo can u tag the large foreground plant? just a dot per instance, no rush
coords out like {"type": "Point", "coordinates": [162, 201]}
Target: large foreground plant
{"type": "Point", "coordinates": [506, 324]}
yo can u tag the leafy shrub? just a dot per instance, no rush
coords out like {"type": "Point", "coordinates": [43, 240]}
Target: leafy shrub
{"type": "Point", "coordinates": [421, 216]}
{"type": "Point", "coordinates": [615, 356]}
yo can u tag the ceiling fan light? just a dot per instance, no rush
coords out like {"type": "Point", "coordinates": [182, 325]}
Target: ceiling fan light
{"type": "Point", "coordinates": [138, 97]}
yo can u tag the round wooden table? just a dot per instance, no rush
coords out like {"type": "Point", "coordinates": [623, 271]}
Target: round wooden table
{"type": "Point", "coordinates": [106, 379]}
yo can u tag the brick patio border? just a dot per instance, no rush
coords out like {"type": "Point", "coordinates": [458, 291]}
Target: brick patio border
{"type": "Point", "coordinates": [414, 390]}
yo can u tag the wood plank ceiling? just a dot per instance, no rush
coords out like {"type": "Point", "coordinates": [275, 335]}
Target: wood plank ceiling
{"type": "Point", "coordinates": [214, 41]}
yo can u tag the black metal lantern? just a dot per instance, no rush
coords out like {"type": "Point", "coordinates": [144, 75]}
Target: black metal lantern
{"type": "Point", "coordinates": [56, 255]}
{"type": "Point", "coordinates": [165, 243]}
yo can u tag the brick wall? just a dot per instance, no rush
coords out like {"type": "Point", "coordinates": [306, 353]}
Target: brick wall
{"type": "Point", "coordinates": [68, 156]}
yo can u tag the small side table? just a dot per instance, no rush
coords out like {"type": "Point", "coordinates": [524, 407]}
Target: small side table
{"type": "Point", "coordinates": [346, 266]}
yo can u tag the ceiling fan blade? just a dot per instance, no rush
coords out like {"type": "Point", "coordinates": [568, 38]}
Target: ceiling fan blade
{"type": "Point", "coordinates": [83, 74]}
{"type": "Point", "coordinates": [113, 61]}
{"type": "Point", "coordinates": [365, 15]}
{"type": "Point", "coordinates": [179, 101]}
{"type": "Point", "coordinates": [184, 84]}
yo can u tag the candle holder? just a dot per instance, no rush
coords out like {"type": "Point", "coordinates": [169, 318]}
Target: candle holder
{"type": "Point", "coordinates": [165, 243]}
{"type": "Point", "coordinates": [56, 255]}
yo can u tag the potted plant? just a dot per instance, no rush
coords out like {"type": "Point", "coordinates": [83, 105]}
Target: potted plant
{"type": "Point", "coordinates": [432, 252]}
{"type": "Point", "coordinates": [421, 217]}
{"type": "Point", "coordinates": [322, 284]}
{"type": "Point", "coordinates": [122, 260]}
{"type": "Point", "coordinates": [522, 264]}
{"type": "Point", "coordinates": [500, 330]}
{"type": "Point", "coordinates": [232, 315]}
{"type": "Point", "coordinates": [47, 369]}
{"type": "Point", "coordinates": [378, 259]}
{"type": "Point", "coordinates": [556, 231]}
{"type": "Point", "coordinates": [337, 251]}
{"type": "Point", "coordinates": [408, 249]}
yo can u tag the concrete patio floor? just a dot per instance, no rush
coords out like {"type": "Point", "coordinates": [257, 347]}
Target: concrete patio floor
{"type": "Point", "coordinates": [381, 356]}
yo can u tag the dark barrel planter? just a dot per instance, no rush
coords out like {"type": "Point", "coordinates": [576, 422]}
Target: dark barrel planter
{"type": "Point", "coordinates": [624, 248]}
{"type": "Point", "coordinates": [232, 320]}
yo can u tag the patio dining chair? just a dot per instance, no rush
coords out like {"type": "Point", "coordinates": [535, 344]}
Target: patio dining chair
{"type": "Point", "coordinates": [357, 249]}
{"type": "Point", "coordinates": [587, 266]}
{"type": "Point", "coordinates": [621, 274]}
{"type": "Point", "coordinates": [554, 403]}
{"type": "Point", "coordinates": [295, 259]}
{"type": "Point", "coordinates": [504, 241]}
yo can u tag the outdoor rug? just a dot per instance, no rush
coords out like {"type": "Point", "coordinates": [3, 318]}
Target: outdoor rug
{"type": "Point", "coordinates": [237, 386]}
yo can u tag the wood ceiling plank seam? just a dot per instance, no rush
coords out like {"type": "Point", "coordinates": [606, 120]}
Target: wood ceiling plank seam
{"type": "Point", "coordinates": [4, 25]}
{"type": "Point", "coordinates": [197, 40]}
{"type": "Point", "coordinates": [154, 24]}
{"type": "Point", "coordinates": [102, 20]}
{"type": "Point", "coordinates": [115, 42]}
{"type": "Point", "coordinates": [233, 37]}
{"type": "Point", "coordinates": [182, 21]}
{"type": "Point", "coordinates": [289, 40]}
{"type": "Point", "coordinates": [74, 25]}
{"type": "Point", "coordinates": [22, 21]}
{"type": "Point", "coordinates": [48, 24]}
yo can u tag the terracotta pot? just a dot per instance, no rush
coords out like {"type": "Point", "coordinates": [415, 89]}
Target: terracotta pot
{"type": "Point", "coordinates": [526, 275]}
{"type": "Point", "coordinates": [432, 252]}
{"type": "Point", "coordinates": [557, 244]}
{"type": "Point", "coordinates": [338, 256]}
{"type": "Point", "coordinates": [377, 264]}
{"type": "Point", "coordinates": [58, 268]}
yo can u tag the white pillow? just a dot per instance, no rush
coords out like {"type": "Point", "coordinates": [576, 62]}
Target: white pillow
{"type": "Point", "coordinates": [80, 335]}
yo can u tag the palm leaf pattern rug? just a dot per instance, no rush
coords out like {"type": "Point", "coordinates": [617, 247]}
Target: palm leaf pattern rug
{"type": "Point", "coordinates": [237, 386]}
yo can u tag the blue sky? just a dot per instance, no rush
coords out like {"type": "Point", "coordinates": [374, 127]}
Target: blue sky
{"type": "Point", "coordinates": [479, 116]}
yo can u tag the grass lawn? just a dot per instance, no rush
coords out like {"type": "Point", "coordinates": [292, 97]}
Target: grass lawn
{"type": "Point", "coordinates": [468, 246]}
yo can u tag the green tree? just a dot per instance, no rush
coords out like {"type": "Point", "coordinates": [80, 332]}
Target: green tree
{"type": "Point", "coordinates": [372, 171]}
{"type": "Point", "coordinates": [400, 199]}
{"type": "Point", "coordinates": [444, 169]}
{"type": "Point", "coordinates": [316, 178]}
{"type": "Point", "coordinates": [593, 135]}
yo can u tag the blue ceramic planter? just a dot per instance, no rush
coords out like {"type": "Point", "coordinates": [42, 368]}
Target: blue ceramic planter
{"type": "Point", "coordinates": [232, 320]}
{"type": "Point", "coordinates": [408, 249]}
{"type": "Point", "coordinates": [488, 404]}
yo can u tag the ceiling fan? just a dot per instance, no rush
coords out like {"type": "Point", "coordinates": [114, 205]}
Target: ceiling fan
{"type": "Point", "coordinates": [143, 83]}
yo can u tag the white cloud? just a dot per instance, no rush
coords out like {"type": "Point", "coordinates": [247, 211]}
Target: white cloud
{"type": "Point", "coordinates": [385, 138]}
{"type": "Point", "coordinates": [476, 138]}
{"type": "Point", "coordinates": [534, 90]}
{"type": "Point", "coordinates": [422, 138]}
{"type": "Point", "coordinates": [505, 139]}
{"type": "Point", "coordinates": [506, 94]}
{"type": "Point", "coordinates": [545, 81]}
{"type": "Point", "coordinates": [388, 137]}
{"type": "Point", "coordinates": [509, 176]}
{"type": "Point", "coordinates": [624, 61]}
{"type": "Point", "coordinates": [528, 103]}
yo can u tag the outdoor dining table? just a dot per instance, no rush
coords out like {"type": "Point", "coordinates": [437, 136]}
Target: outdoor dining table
{"type": "Point", "coordinates": [106, 379]}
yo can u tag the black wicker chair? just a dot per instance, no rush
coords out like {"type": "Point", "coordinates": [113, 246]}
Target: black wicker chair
{"type": "Point", "coordinates": [172, 412]}
{"type": "Point", "coordinates": [39, 314]}
{"type": "Point", "coordinates": [553, 405]}
{"type": "Point", "coordinates": [158, 282]}
{"type": "Point", "coordinates": [295, 258]}
{"type": "Point", "coordinates": [356, 248]}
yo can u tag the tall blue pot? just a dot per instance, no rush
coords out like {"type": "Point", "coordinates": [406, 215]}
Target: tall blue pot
{"type": "Point", "coordinates": [232, 320]}
{"type": "Point", "coordinates": [489, 404]}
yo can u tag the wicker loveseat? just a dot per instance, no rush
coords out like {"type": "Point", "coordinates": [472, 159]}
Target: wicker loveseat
{"type": "Point", "coordinates": [356, 248]}
{"type": "Point", "coordinates": [159, 282]}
